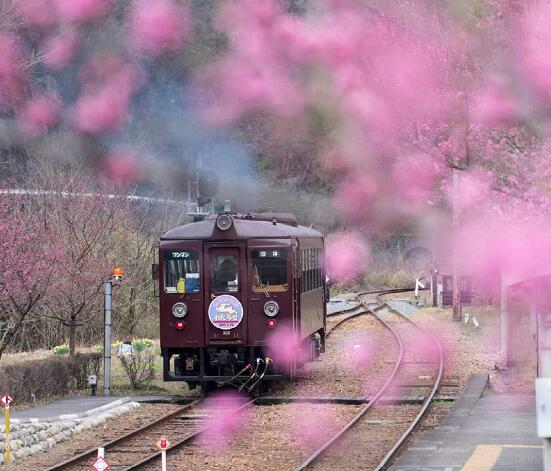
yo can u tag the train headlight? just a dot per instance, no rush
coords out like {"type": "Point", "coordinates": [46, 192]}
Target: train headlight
{"type": "Point", "coordinates": [224, 222]}
{"type": "Point", "coordinates": [179, 309]}
{"type": "Point", "coordinates": [271, 308]}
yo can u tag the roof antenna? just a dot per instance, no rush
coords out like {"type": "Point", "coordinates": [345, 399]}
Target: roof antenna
{"type": "Point", "coordinates": [227, 206]}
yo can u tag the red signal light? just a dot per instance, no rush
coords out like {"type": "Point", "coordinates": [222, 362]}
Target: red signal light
{"type": "Point", "coordinates": [271, 323]}
{"type": "Point", "coordinates": [180, 325]}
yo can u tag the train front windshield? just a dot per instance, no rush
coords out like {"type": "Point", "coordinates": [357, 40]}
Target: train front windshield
{"type": "Point", "coordinates": [269, 270]}
{"type": "Point", "coordinates": [181, 271]}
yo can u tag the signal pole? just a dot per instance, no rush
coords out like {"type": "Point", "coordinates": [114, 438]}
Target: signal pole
{"type": "Point", "coordinates": [108, 312]}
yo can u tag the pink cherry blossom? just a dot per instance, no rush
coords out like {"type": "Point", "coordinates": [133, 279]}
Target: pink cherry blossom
{"type": "Point", "coordinates": [225, 421]}
{"type": "Point", "coordinates": [494, 104]}
{"type": "Point", "coordinates": [312, 428]}
{"type": "Point", "coordinates": [285, 347]}
{"type": "Point", "coordinates": [82, 11]}
{"type": "Point", "coordinates": [36, 13]}
{"type": "Point", "coordinates": [346, 256]}
{"type": "Point", "coordinates": [102, 111]}
{"type": "Point", "coordinates": [38, 114]}
{"type": "Point", "coordinates": [534, 35]}
{"type": "Point", "coordinates": [159, 26]}
{"type": "Point", "coordinates": [108, 84]}
{"type": "Point", "coordinates": [122, 167]}
{"type": "Point", "coordinates": [58, 50]}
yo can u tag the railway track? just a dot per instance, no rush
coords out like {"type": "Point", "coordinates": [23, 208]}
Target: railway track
{"type": "Point", "coordinates": [404, 375]}
{"type": "Point", "coordinates": [137, 448]}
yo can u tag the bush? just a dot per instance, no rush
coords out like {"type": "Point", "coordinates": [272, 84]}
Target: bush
{"type": "Point", "coordinates": [61, 349]}
{"type": "Point", "coordinates": [139, 367]}
{"type": "Point", "coordinates": [54, 376]}
{"type": "Point", "coordinates": [141, 345]}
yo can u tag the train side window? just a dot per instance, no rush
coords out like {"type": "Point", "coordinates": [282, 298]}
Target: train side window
{"type": "Point", "coordinates": [269, 270]}
{"type": "Point", "coordinates": [303, 270]}
{"type": "Point", "coordinates": [320, 269]}
{"type": "Point", "coordinates": [181, 271]}
{"type": "Point", "coordinates": [225, 278]}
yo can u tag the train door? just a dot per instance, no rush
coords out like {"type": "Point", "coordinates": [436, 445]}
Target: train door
{"type": "Point", "coordinates": [225, 292]}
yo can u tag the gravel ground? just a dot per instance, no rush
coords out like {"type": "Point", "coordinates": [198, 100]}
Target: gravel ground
{"type": "Point", "coordinates": [272, 438]}
{"type": "Point", "coordinates": [469, 350]}
{"type": "Point", "coordinates": [92, 438]}
{"type": "Point", "coordinates": [374, 435]}
{"type": "Point", "coordinates": [359, 355]}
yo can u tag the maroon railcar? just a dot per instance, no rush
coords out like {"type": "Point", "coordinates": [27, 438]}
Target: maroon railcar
{"type": "Point", "coordinates": [227, 284]}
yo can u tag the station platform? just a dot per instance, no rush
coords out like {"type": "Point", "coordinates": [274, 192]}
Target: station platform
{"type": "Point", "coordinates": [81, 406]}
{"type": "Point", "coordinates": [495, 432]}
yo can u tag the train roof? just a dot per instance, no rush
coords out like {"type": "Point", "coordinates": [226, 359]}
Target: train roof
{"type": "Point", "coordinates": [245, 226]}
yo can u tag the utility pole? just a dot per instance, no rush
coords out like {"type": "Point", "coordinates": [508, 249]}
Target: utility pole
{"type": "Point", "coordinates": [108, 314]}
{"type": "Point", "coordinates": [504, 321]}
{"type": "Point", "coordinates": [456, 299]}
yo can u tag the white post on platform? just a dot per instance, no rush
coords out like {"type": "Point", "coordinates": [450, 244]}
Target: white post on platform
{"type": "Point", "coordinates": [163, 460]}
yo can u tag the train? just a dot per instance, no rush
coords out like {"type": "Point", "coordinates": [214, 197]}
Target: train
{"type": "Point", "coordinates": [227, 285]}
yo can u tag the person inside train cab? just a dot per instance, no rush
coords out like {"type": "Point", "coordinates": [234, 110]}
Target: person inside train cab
{"type": "Point", "coordinates": [225, 275]}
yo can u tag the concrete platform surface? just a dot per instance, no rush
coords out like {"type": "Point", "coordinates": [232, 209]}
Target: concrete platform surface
{"type": "Point", "coordinates": [81, 405]}
{"type": "Point", "coordinates": [496, 432]}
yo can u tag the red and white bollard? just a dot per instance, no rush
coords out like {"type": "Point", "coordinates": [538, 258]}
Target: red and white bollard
{"type": "Point", "coordinates": [163, 444]}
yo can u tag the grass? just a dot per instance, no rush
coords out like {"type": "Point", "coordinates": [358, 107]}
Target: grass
{"type": "Point", "coordinates": [120, 385]}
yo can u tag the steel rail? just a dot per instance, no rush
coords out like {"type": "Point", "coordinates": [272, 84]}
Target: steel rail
{"type": "Point", "coordinates": [428, 400]}
{"type": "Point", "coordinates": [364, 293]}
{"type": "Point", "coordinates": [361, 311]}
{"type": "Point", "coordinates": [92, 452]}
{"type": "Point", "coordinates": [318, 453]}
{"type": "Point", "coordinates": [183, 441]}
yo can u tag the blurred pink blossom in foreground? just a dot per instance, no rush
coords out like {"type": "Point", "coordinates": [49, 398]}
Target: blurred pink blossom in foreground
{"type": "Point", "coordinates": [346, 256]}
{"type": "Point", "coordinates": [284, 347]}
{"type": "Point", "coordinates": [359, 351]}
{"type": "Point", "coordinates": [108, 83]}
{"type": "Point", "coordinates": [122, 167]}
{"type": "Point", "coordinates": [58, 50]}
{"type": "Point", "coordinates": [37, 13]}
{"type": "Point", "coordinates": [312, 426]}
{"type": "Point", "coordinates": [225, 421]}
{"type": "Point", "coordinates": [103, 111]}
{"type": "Point", "coordinates": [533, 46]}
{"type": "Point", "coordinates": [494, 104]}
{"type": "Point", "coordinates": [82, 10]}
{"type": "Point", "coordinates": [159, 26]}
{"type": "Point", "coordinates": [413, 178]}
{"type": "Point", "coordinates": [38, 114]}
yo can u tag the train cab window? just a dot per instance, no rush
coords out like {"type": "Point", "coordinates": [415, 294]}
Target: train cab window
{"type": "Point", "coordinates": [225, 278]}
{"type": "Point", "coordinates": [181, 271]}
{"type": "Point", "coordinates": [269, 270]}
